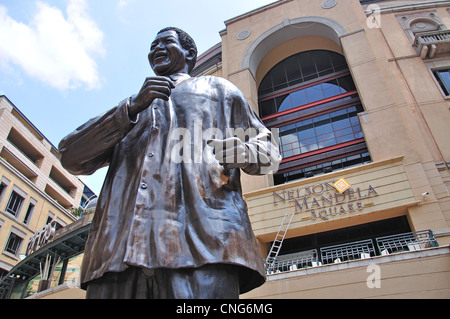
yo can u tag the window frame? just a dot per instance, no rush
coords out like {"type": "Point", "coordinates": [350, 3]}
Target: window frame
{"type": "Point", "coordinates": [29, 213]}
{"type": "Point", "coordinates": [21, 194]}
{"type": "Point", "coordinates": [339, 140]}
{"type": "Point", "coordinates": [346, 98]}
{"type": "Point", "coordinates": [439, 81]}
{"type": "Point", "coordinates": [20, 235]}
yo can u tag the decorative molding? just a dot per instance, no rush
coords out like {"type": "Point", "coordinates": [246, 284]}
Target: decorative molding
{"type": "Point", "coordinates": [256, 11]}
{"type": "Point", "coordinates": [289, 29]}
{"type": "Point", "coordinates": [244, 34]}
{"type": "Point", "coordinates": [328, 4]}
{"type": "Point", "coordinates": [410, 7]}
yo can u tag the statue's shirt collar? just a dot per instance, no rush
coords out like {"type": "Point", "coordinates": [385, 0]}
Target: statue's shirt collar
{"type": "Point", "coordinates": [179, 77]}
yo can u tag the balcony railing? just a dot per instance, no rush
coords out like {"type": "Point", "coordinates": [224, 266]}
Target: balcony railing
{"type": "Point", "coordinates": [344, 252]}
{"type": "Point", "coordinates": [295, 261]}
{"type": "Point", "coordinates": [429, 44]}
{"type": "Point", "coordinates": [353, 251]}
{"type": "Point", "coordinates": [406, 242]}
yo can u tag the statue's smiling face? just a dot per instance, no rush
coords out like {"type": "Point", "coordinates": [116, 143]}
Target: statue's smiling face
{"type": "Point", "coordinates": [167, 56]}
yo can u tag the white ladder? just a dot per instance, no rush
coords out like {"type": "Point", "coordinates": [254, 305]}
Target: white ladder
{"type": "Point", "coordinates": [276, 246]}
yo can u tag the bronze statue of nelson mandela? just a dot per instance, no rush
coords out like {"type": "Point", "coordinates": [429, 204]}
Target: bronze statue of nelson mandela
{"type": "Point", "coordinates": [170, 220]}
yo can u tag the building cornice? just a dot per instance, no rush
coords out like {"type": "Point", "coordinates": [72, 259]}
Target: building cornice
{"type": "Point", "coordinates": [32, 126]}
{"type": "Point", "coordinates": [37, 190]}
{"type": "Point", "coordinates": [328, 176]}
{"type": "Point", "coordinates": [256, 11]}
{"type": "Point", "coordinates": [408, 7]}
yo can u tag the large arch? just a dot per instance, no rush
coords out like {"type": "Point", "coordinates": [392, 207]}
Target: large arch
{"type": "Point", "coordinates": [288, 30]}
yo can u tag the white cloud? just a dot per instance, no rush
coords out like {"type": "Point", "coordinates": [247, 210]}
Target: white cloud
{"type": "Point", "coordinates": [124, 8]}
{"type": "Point", "coordinates": [57, 50]}
{"type": "Point", "coordinates": [124, 4]}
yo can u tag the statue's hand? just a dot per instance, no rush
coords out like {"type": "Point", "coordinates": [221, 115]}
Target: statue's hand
{"type": "Point", "coordinates": [153, 88]}
{"type": "Point", "coordinates": [231, 152]}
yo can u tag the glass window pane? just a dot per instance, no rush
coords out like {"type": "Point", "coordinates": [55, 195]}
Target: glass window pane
{"type": "Point", "coordinates": [443, 77]}
{"type": "Point", "coordinates": [321, 119]}
{"type": "Point", "coordinates": [352, 111]}
{"type": "Point", "coordinates": [286, 154]}
{"type": "Point", "coordinates": [323, 131]}
{"type": "Point", "coordinates": [345, 135]}
{"type": "Point", "coordinates": [14, 203]}
{"type": "Point", "coordinates": [278, 77]}
{"type": "Point", "coordinates": [317, 131]}
{"type": "Point", "coordinates": [267, 107]}
{"type": "Point", "coordinates": [331, 89]}
{"type": "Point", "coordinates": [340, 121]}
{"type": "Point", "coordinates": [305, 66]}
{"type": "Point", "coordinates": [341, 124]}
{"type": "Point", "coordinates": [334, 165]}
{"type": "Point", "coordinates": [354, 121]}
{"type": "Point", "coordinates": [285, 129]}
{"type": "Point", "coordinates": [283, 103]}
{"type": "Point", "coordinates": [292, 68]}
{"type": "Point", "coordinates": [314, 93]}
{"type": "Point", "coordinates": [13, 244]}
{"type": "Point", "coordinates": [308, 66]}
{"type": "Point", "coordinates": [306, 131]}
{"type": "Point", "coordinates": [323, 62]}
{"type": "Point", "coordinates": [266, 85]}
{"type": "Point", "coordinates": [299, 98]}
{"type": "Point", "coordinates": [288, 139]}
{"type": "Point", "coordinates": [296, 148]}
{"type": "Point", "coordinates": [338, 61]}
{"type": "Point", "coordinates": [310, 144]}
{"type": "Point", "coordinates": [346, 83]}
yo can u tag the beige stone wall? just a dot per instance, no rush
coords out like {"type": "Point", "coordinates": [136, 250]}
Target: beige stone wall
{"type": "Point", "coordinates": [10, 119]}
{"type": "Point", "coordinates": [421, 275]}
{"type": "Point", "coordinates": [405, 113]}
{"type": "Point", "coordinates": [44, 207]}
{"type": "Point", "coordinates": [35, 188]}
{"type": "Point", "coordinates": [405, 124]}
{"type": "Point", "coordinates": [388, 178]}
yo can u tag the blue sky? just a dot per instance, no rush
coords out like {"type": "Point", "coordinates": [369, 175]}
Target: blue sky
{"type": "Point", "coordinates": [63, 62]}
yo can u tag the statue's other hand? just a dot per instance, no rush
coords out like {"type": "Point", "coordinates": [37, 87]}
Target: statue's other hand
{"type": "Point", "coordinates": [231, 152]}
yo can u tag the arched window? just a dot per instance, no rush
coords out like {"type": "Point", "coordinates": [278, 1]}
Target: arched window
{"type": "Point", "coordinates": [312, 99]}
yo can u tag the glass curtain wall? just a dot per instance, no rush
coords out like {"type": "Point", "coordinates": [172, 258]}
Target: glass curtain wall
{"type": "Point", "coordinates": [312, 99]}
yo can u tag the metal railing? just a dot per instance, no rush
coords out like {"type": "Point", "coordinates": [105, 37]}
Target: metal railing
{"type": "Point", "coordinates": [406, 242]}
{"type": "Point", "coordinates": [353, 251]}
{"type": "Point", "coordinates": [295, 261]}
{"type": "Point", "coordinates": [344, 252]}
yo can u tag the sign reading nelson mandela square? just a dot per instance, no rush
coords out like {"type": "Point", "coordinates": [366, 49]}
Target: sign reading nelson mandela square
{"type": "Point", "coordinates": [323, 201]}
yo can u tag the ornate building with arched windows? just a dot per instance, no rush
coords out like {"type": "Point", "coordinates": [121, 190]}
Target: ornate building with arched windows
{"type": "Point", "coordinates": [358, 94]}
{"type": "Point", "coordinates": [310, 97]}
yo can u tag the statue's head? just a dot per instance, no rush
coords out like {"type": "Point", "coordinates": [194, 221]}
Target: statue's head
{"type": "Point", "coordinates": [172, 51]}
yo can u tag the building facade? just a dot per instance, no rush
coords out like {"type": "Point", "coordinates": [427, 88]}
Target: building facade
{"type": "Point", "coordinates": [35, 190]}
{"type": "Point", "coordinates": [358, 92]}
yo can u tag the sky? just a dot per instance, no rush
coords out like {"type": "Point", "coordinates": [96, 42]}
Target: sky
{"type": "Point", "coordinates": [63, 62]}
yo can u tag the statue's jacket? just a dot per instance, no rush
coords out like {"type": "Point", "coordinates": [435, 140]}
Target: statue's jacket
{"type": "Point", "coordinates": [157, 211]}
